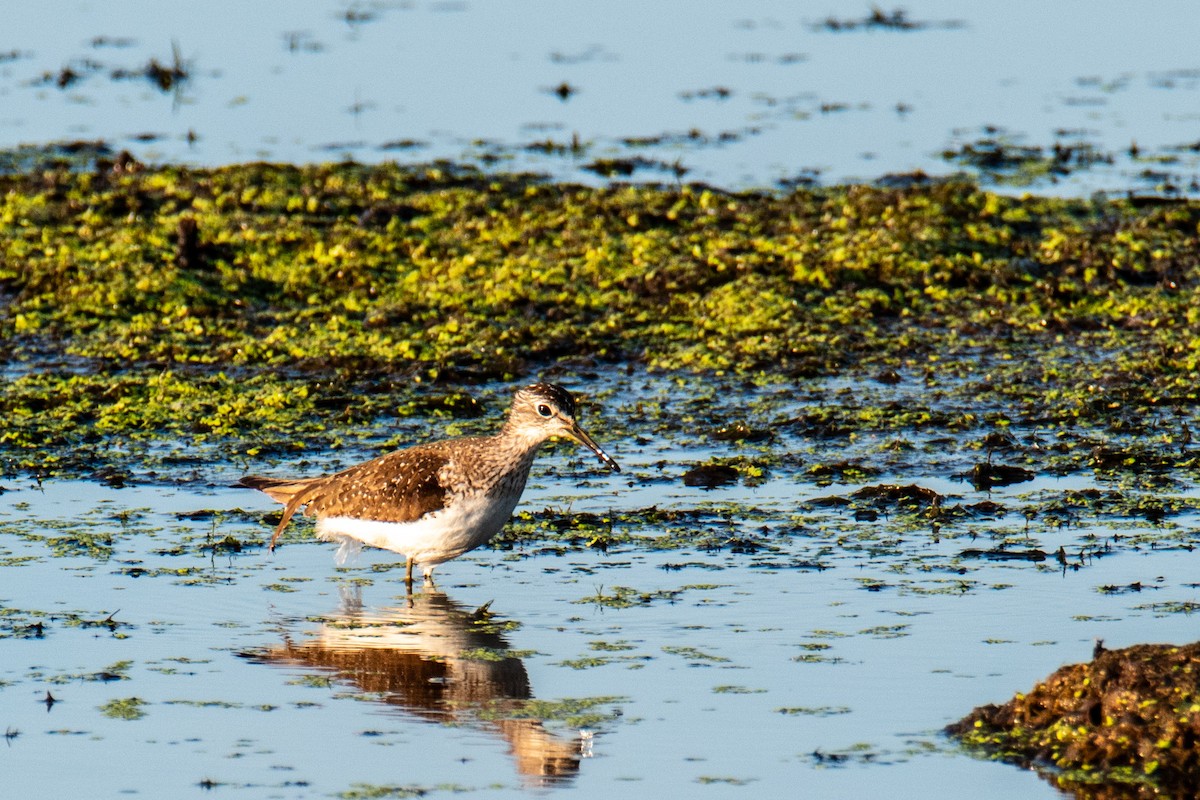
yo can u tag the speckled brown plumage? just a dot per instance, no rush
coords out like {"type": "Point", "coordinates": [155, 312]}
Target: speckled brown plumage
{"type": "Point", "coordinates": [438, 500]}
{"type": "Point", "coordinates": [398, 487]}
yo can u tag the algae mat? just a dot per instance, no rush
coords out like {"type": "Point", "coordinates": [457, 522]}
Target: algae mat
{"type": "Point", "coordinates": [164, 314]}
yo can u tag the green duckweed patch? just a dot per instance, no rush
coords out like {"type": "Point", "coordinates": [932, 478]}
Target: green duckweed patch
{"type": "Point", "coordinates": [118, 671]}
{"type": "Point", "coordinates": [495, 654]}
{"type": "Point", "coordinates": [126, 708]}
{"type": "Point", "coordinates": [610, 647]}
{"type": "Point", "coordinates": [714, 779]}
{"type": "Point", "coordinates": [574, 712]}
{"type": "Point", "coordinates": [585, 662]}
{"type": "Point", "coordinates": [373, 791]}
{"type": "Point", "coordinates": [694, 655]}
{"type": "Point", "coordinates": [604, 652]}
{"type": "Point", "coordinates": [813, 711]}
{"type": "Point", "coordinates": [154, 317]}
{"type": "Point", "coordinates": [627, 597]}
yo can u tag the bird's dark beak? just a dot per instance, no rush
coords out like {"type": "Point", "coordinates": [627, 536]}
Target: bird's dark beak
{"type": "Point", "coordinates": [577, 433]}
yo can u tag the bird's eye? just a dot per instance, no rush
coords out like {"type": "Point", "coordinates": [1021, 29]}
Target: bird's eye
{"type": "Point", "coordinates": [544, 410]}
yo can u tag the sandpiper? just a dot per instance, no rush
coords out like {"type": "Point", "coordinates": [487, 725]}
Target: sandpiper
{"type": "Point", "coordinates": [434, 502]}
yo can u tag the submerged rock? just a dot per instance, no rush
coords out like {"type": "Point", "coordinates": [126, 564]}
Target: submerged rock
{"type": "Point", "coordinates": [1127, 724]}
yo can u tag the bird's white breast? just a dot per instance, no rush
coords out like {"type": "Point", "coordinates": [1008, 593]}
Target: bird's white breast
{"type": "Point", "coordinates": [468, 523]}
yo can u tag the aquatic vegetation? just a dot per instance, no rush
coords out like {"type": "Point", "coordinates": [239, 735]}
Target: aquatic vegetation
{"type": "Point", "coordinates": [114, 672]}
{"type": "Point", "coordinates": [859, 753]}
{"type": "Point", "coordinates": [878, 19]}
{"type": "Point", "coordinates": [574, 712]}
{"type": "Point", "coordinates": [999, 158]}
{"type": "Point", "coordinates": [713, 779]}
{"type": "Point", "coordinates": [585, 662]}
{"type": "Point", "coordinates": [886, 631]}
{"type": "Point", "coordinates": [610, 646]}
{"type": "Point", "coordinates": [259, 310]}
{"type": "Point", "coordinates": [1127, 718]}
{"type": "Point", "coordinates": [694, 655]}
{"type": "Point", "coordinates": [370, 791]}
{"type": "Point", "coordinates": [627, 597]}
{"type": "Point", "coordinates": [126, 708]}
{"type": "Point", "coordinates": [813, 711]}
{"type": "Point", "coordinates": [494, 654]}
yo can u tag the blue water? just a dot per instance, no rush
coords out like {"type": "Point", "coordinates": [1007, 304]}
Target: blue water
{"type": "Point", "coordinates": [746, 95]}
{"type": "Point", "coordinates": [701, 672]}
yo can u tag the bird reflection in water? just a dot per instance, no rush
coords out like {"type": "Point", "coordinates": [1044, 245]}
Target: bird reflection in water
{"type": "Point", "coordinates": [426, 660]}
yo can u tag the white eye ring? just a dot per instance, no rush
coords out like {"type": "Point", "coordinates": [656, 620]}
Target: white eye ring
{"type": "Point", "coordinates": [544, 410]}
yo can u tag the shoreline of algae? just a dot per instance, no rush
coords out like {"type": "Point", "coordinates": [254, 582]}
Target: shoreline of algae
{"type": "Point", "coordinates": [169, 314]}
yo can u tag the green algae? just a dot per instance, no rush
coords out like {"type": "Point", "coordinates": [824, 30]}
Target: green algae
{"type": "Point", "coordinates": [152, 317]}
{"type": "Point", "coordinates": [126, 708]}
{"type": "Point", "coordinates": [610, 647]}
{"type": "Point", "coordinates": [494, 654]}
{"type": "Point", "coordinates": [574, 712]}
{"type": "Point", "coordinates": [373, 791]}
{"type": "Point", "coordinates": [813, 711]}
{"type": "Point", "coordinates": [585, 662]}
{"type": "Point", "coordinates": [370, 791]}
{"type": "Point", "coordinates": [37, 624]}
{"type": "Point", "coordinates": [694, 655]}
{"type": "Point", "coordinates": [712, 779]}
{"type": "Point", "coordinates": [627, 597]}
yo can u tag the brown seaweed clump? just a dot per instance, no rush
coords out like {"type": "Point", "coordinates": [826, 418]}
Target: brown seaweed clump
{"type": "Point", "coordinates": [1125, 725]}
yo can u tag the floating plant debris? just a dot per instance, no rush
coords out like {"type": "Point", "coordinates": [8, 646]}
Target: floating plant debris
{"type": "Point", "coordinates": [710, 476]}
{"type": "Point", "coordinates": [894, 20]}
{"type": "Point", "coordinates": [985, 476]}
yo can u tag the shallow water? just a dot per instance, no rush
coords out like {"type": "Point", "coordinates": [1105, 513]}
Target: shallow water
{"type": "Point", "coordinates": [739, 95]}
{"type": "Point", "coordinates": [723, 672]}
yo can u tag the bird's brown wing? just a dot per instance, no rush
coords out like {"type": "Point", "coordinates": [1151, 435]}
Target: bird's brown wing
{"type": "Point", "coordinates": [398, 487]}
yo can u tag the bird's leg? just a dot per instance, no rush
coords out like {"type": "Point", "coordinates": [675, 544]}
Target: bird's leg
{"type": "Point", "coordinates": [408, 581]}
{"type": "Point", "coordinates": [275, 538]}
{"type": "Point", "coordinates": [291, 508]}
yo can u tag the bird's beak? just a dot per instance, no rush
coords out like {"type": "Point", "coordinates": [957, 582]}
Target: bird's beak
{"type": "Point", "coordinates": [577, 433]}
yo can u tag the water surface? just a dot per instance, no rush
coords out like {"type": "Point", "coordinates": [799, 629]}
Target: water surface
{"type": "Point", "coordinates": [724, 671]}
{"type": "Point", "coordinates": [739, 95]}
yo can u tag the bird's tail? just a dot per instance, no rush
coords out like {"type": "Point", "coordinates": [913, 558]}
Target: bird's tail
{"type": "Point", "coordinates": [280, 490]}
{"type": "Point", "coordinates": [292, 493]}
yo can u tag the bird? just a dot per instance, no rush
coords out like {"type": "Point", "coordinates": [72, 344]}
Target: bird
{"type": "Point", "coordinates": [434, 501]}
